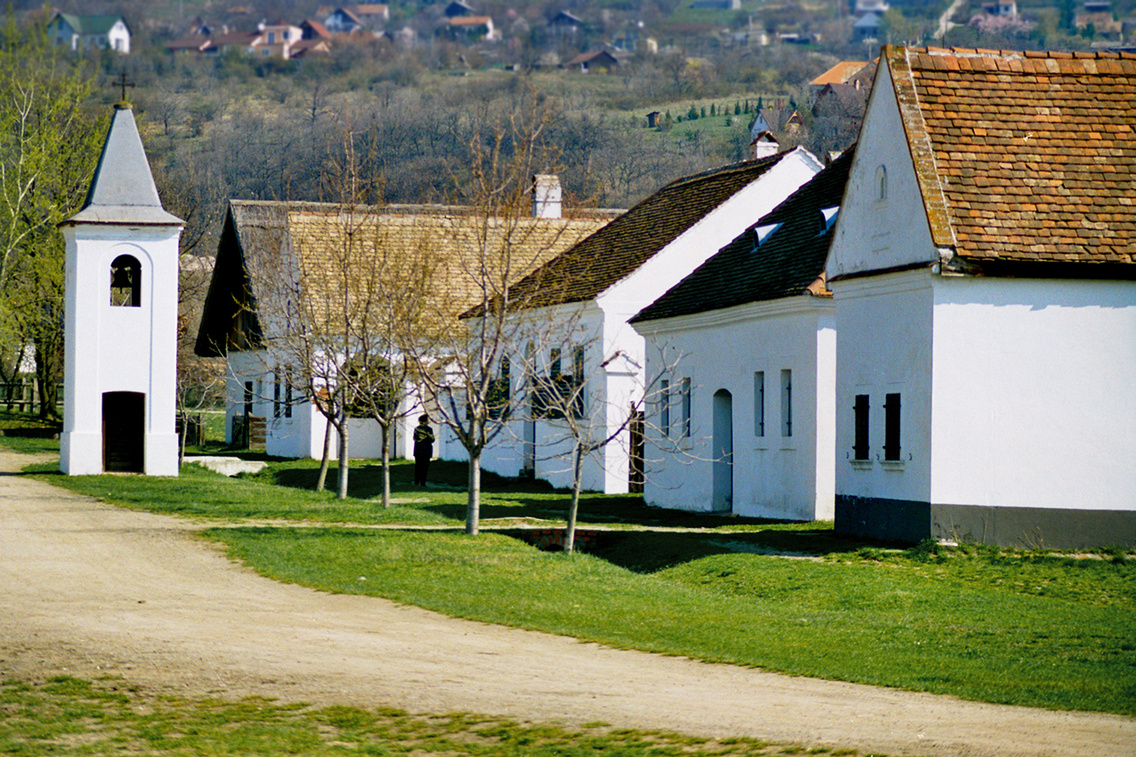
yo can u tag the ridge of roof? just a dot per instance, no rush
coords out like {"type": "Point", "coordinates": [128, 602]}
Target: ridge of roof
{"type": "Point", "coordinates": [1021, 156]}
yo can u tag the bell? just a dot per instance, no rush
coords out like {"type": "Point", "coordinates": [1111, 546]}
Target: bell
{"type": "Point", "coordinates": [122, 276]}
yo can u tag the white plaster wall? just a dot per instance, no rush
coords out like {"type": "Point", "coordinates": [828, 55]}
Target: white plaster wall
{"type": "Point", "coordinates": [773, 476]}
{"type": "Point", "coordinates": [564, 327]}
{"type": "Point", "coordinates": [302, 434]}
{"type": "Point", "coordinates": [108, 348]}
{"type": "Point", "coordinates": [885, 346]}
{"type": "Point", "coordinates": [119, 38]}
{"type": "Point", "coordinates": [873, 233]}
{"type": "Point", "coordinates": [1035, 393]}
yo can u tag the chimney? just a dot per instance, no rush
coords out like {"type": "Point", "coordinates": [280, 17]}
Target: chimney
{"type": "Point", "coordinates": [546, 195]}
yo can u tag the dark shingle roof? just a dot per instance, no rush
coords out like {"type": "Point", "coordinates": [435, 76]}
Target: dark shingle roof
{"type": "Point", "coordinates": [620, 248]}
{"type": "Point", "coordinates": [1023, 157]}
{"type": "Point", "coordinates": [789, 262]}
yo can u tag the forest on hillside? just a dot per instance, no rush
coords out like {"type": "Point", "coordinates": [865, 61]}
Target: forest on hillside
{"type": "Point", "coordinates": [405, 116]}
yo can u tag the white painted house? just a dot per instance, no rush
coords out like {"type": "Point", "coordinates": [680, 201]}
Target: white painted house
{"type": "Point", "coordinates": [581, 301]}
{"type": "Point", "coordinates": [746, 346]}
{"type": "Point", "coordinates": [105, 32]}
{"type": "Point", "coordinates": [984, 272]}
{"type": "Point", "coordinates": [277, 258]}
{"type": "Point", "coordinates": [120, 319]}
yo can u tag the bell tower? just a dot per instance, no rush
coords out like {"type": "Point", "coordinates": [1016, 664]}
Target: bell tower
{"type": "Point", "coordinates": [120, 328]}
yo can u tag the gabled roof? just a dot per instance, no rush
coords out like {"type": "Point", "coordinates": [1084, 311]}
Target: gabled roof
{"type": "Point", "coordinates": [316, 29]}
{"type": "Point", "coordinates": [1023, 157]}
{"type": "Point", "coordinates": [122, 190]}
{"type": "Point", "coordinates": [603, 56]}
{"type": "Point", "coordinates": [470, 21]}
{"type": "Point", "coordinates": [260, 238]}
{"type": "Point", "coordinates": [91, 24]}
{"type": "Point", "coordinates": [788, 262]}
{"type": "Point", "coordinates": [565, 17]}
{"type": "Point", "coordinates": [840, 73]}
{"type": "Point", "coordinates": [620, 248]}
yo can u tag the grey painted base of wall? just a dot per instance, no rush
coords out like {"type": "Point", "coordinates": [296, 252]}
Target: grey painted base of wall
{"type": "Point", "coordinates": [1019, 527]}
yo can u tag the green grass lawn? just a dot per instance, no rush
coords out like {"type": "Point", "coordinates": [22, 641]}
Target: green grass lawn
{"type": "Point", "coordinates": [70, 716]}
{"type": "Point", "coordinates": [1036, 629]}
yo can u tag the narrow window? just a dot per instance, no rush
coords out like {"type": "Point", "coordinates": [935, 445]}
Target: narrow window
{"type": "Point", "coordinates": [554, 362]}
{"type": "Point", "coordinates": [288, 393]}
{"type": "Point", "coordinates": [891, 427]}
{"type": "Point", "coordinates": [276, 409]}
{"type": "Point", "coordinates": [685, 431]}
{"type": "Point", "coordinates": [248, 398]}
{"type": "Point", "coordinates": [759, 403]}
{"type": "Point", "coordinates": [126, 282]}
{"type": "Point", "coordinates": [499, 392]}
{"type": "Point", "coordinates": [665, 407]}
{"type": "Point", "coordinates": [881, 183]}
{"type": "Point", "coordinates": [577, 384]}
{"type": "Point", "coordinates": [860, 415]}
{"type": "Point", "coordinates": [786, 403]}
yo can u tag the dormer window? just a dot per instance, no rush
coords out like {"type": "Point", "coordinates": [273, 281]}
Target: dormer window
{"type": "Point", "coordinates": [828, 217]}
{"type": "Point", "coordinates": [126, 282]}
{"type": "Point", "coordinates": [762, 233]}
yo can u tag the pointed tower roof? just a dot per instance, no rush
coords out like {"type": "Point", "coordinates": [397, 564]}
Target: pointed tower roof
{"type": "Point", "coordinates": [123, 190]}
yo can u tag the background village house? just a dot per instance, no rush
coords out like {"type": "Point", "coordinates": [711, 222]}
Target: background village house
{"type": "Point", "coordinates": [103, 32]}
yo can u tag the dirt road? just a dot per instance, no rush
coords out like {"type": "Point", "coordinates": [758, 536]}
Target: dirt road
{"type": "Point", "coordinates": [91, 590]}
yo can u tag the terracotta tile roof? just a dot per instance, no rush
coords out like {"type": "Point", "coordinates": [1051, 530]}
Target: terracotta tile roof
{"type": "Point", "coordinates": [788, 262]}
{"type": "Point", "coordinates": [1023, 157]}
{"type": "Point", "coordinates": [621, 247]}
{"type": "Point", "coordinates": [840, 73]}
{"type": "Point", "coordinates": [260, 240]}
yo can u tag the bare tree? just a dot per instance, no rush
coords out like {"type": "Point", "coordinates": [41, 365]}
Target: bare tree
{"type": "Point", "coordinates": [460, 367]}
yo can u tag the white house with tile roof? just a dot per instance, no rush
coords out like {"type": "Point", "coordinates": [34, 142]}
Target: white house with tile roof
{"type": "Point", "coordinates": [120, 318]}
{"type": "Point", "coordinates": [581, 301]}
{"type": "Point", "coordinates": [748, 424]}
{"type": "Point", "coordinates": [278, 258]}
{"type": "Point", "coordinates": [984, 272]}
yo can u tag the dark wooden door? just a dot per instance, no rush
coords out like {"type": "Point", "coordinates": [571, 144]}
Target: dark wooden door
{"type": "Point", "coordinates": [124, 431]}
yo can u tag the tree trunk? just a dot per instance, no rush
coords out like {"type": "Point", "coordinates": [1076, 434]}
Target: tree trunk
{"type": "Point", "coordinates": [181, 438]}
{"type": "Point", "coordinates": [47, 379]}
{"type": "Point", "coordinates": [321, 479]}
{"type": "Point", "coordinates": [574, 507]}
{"type": "Point", "coordinates": [473, 503]}
{"type": "Point", "coordinates": [386, 466]}
{"type": "Point", "coordinates": [344, 461]}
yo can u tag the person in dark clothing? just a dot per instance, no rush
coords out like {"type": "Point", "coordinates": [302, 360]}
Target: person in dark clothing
{"type": "Point", "coordinates": [423, 449]}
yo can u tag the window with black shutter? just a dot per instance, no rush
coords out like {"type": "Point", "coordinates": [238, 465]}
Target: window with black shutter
{"type": "Point", "coordinates": [860, 443]}
{"type": "Point", "coordinates": [891, 427]}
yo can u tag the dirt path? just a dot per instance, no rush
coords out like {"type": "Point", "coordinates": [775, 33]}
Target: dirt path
{"type": "Point", "coordinates": [89, 590]}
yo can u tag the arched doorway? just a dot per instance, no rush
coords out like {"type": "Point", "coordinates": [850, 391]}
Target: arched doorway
{"type": "Point", "coordinates": [124, 431]}
{"type": "Point", "coordinates": [723, 452]}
